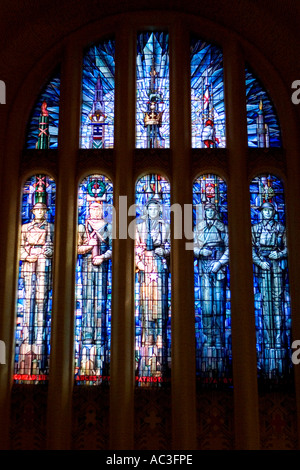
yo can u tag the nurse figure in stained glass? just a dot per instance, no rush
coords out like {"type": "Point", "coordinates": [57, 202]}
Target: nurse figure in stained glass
{"type": "Point", "coordinates": [152, 265]}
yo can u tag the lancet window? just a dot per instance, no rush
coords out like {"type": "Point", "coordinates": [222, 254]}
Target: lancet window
{"type": "Point", "coordinates": [271, 279]}
{"type": "Point", "coordinates": [207, 95]}
{"type": "Point", "coordinates": [34, 299]}
{"type": "Point", "coordinates": [152, 88]}
{"type": "Point", "coordinates": [98, 96]}
{"type": "Point", "coordinates": [93, 281]}
{"type": "Point", "coordinates": [42, 129]}
{"type": "Point", "coordinates": [212, 281]}
{"type": "Point", "coordinates": [152, 281]}
{"type": "Point", "coordinates": [262, 122]}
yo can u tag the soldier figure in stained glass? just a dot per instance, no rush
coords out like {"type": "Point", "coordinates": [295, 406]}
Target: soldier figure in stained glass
{"type": "Point", "coordinates": [270, 263]}
{"type": "Point", "coordinates": [95, 246]}
{"type": "Point", "coordinates": [152, 264]}
{"type": "Point", "coordinates": [36, 271]}
{"type": "Point", "coordinates": [212, 254]}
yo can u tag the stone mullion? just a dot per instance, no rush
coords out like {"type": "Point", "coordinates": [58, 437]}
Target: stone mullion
{"type": "Point", "coordinates": [9, 230]}
{"type": "Point", "coordinates": [122, 327]}
{"type": "Point", "coordinates": [183, 318]}
{"type": "Point", "coordinates": [61, 377]}
{"type": "Point", "coordinates": [293, 229]}
{"type": "Point", "coordinates": [241, 276]}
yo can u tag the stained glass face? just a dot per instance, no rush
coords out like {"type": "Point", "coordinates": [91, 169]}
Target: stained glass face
{"type": "Point", "coordinates": [152, 281]}
{"type": "Point", "coordinates": [262, 122]}
{"type": "Point", "coordinates": [207, 95]}
{"type": "Point", "coordinates": [152, 90]}
{"type": "Point", "coordinates": [42, 130]}
{"type": "Point", "coordinates": [271, 279]}
{"type": "Point", "coordinates": [98, 96]}
{"type": "Point", "coordinates": [93, 281]}
{"type": "Point", "coordinates": [34, 302]}
{"type": "Point", "coordinates": [212, 281]}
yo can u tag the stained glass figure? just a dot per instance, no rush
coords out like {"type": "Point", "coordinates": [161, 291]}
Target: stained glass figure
{"type": "Point", "coordinates": [93, 281]}
{"type": "Point", "coordinates": [98, 96]}
{"type": "Point", "coordinates": [207, 95]}
{"type": "Point", "coordinates": [271, 280]}
{"type": "Point", "coordinates": [34, 304]}
{"type": "Point", "coordinates": [212, 281]}
{"type": "Point", "coordinates": [152, 88]}
{"type": "Point", "coordinates": [152, 281]}
{"type": "Point", "coordinates": [42, 130]}
{"type": "Point", "coordinates": [262, 122]}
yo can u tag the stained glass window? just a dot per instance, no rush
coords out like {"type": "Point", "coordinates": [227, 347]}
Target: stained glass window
{"type": "Point", "coordinates": [98, 96]}
{"type": "Point", "coordinates": [152, 88]}
{"type": "Point", "coordinates": [93, 281]}
{"type": "Point", "coordinates": [42, 130]}
{"type": "Point", "coordinates": [212, 281]}
{"type": "Point", "coordinates": [207, 95]}
{"type": "Point", "coordinates": [34, 302]}
{"type": "Point", "coordinates": [271, 279]}
{"type": "Point", "coordinates": [262, 121]}
{"type": "Point", "coordinates": [152, 281]}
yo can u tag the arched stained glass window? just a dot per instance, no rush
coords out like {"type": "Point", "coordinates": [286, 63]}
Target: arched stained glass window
{"type": "Point", "coordinates": [152, 88]}
{"type": "Point", "coordinates": [212, 281]}
{"type": "Point", "coordinates": [93, 281]}
{"type": "Point", "coordinates": [34, 302]}
{"type": "Point", "coordinates": [271, 279]}
{"type": "Point", "coordinates": [207, 95]}
{"type": "Point", "coordinates": [153, 281]}
{"type": "Point", "coordinates": [262, 122]}
{"type": "Point", "coordinates": [98, 96]}
{"type": "Point", "coordinates": [42, 130]}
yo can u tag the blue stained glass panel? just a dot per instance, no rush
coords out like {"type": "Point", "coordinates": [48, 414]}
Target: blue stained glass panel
{"type": "Point", "coordinates": [152, 90]}
{"type": "Point", "coordinates": [98, 96]}
{"type": "Point", "coordinates": [152, 282]}
{"type": "Point", "coordinates": [262, 122]}
{"type": "Point", "coordinates": [212, 282]}
{"type": "Point", "coordinates": [271, 279]}
{"type": "Point", "coordinates": [207, 95]}
{"type": "Point", "coordinates": [34, 301]}
{"type": "Point", "coordinates": [93, 281]}
{"type": "Point", "coordinates": [42, 129]}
